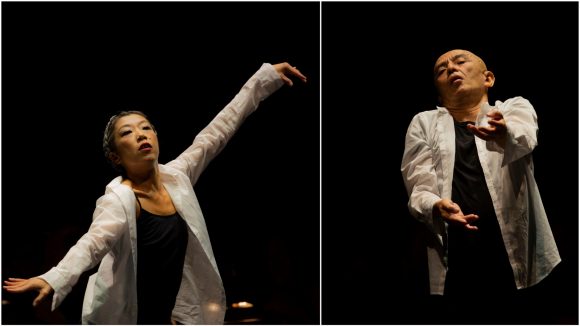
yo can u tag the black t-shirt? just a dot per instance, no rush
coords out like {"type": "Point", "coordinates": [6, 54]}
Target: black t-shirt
{"type": "Point", "coordinates": [161, 246]}
{"type": "Point", "coordinates": [477, 260]}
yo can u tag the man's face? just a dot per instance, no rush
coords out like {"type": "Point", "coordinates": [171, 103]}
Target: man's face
{"type": "Point", "coordinates": [459, 73]}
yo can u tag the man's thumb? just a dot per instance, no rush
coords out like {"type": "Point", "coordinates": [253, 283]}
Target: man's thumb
{"type": "Point", "coordinates": [453, 207]}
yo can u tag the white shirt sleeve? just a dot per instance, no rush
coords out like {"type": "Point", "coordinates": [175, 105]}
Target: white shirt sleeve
{"type": "Point", "coordinates": [522, 129]}
{"type": "Point", "coordinates": [108, 225]}
{"type": "Point", "coordinates": [213, 138]}
{"type": "Point", "coordinates": [419, 173]}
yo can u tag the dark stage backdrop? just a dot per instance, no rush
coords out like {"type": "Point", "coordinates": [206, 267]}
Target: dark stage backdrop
{"type": "Point", "coordinates": [373, 265]}
{"type": "Point", "coordinates": [67, 67]}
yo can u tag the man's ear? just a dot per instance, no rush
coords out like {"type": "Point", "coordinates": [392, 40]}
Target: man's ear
{"type": "Point", "coordinates": [489, 79]}
{"type": "Point", "coordinates": [116, 159]}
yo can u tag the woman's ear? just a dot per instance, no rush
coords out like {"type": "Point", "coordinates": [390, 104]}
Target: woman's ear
{"type": "Point", "coordinates": [489, 79]}
{"type": "Point", "coordinates": [116, 159]}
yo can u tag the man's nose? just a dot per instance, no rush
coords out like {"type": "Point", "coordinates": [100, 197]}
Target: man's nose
{"type": "Point", "coordinates": [451, 68]}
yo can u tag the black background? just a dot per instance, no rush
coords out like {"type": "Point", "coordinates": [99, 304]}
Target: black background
{"type": "Point", "coordinates": [67, 67]}
{"type": "Point", "coordinates": [377, 68]}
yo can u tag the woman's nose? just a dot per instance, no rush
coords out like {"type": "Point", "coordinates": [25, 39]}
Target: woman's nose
{"type": "Point", "coordinates": [140, 135]}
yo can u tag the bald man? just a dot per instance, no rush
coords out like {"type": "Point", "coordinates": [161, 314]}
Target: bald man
{"type": "Point", "coordinates": [468, 171]}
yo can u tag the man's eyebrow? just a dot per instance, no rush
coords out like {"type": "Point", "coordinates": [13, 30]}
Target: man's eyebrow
{"type": "Point", "coordinates": [455, 57]}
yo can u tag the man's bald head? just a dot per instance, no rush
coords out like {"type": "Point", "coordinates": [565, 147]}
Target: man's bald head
{"type": "Point", "coordinates": [461, 79]}
{"type": "Point", "coordinates": [453, 55]}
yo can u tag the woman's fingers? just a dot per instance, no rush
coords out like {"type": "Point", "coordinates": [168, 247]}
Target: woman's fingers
{"type": "Point", "coordinates": [17, 286]}
{"type": "Point", "coordinates": [286, 80]}
{"type": "Point", "coordinates": [297, 73]}
{"type": "Point", "coordinates": [285, 70]}
{"type": "Point", "coordinates": [40, 297]}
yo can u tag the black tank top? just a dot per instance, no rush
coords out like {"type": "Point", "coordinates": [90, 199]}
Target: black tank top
{"type": "Point", "coordinates": [161, 245]}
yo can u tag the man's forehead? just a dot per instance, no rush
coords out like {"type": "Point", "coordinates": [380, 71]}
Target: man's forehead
{"type": "Point", "coordinates": [455, 53]}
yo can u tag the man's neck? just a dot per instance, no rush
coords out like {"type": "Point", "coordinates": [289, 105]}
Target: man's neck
{"type": "Point", "coordinates": [462, 112]}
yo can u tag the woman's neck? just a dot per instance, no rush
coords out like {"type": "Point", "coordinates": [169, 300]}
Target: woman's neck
{"type": "Point", "coordinates": [146, 182]}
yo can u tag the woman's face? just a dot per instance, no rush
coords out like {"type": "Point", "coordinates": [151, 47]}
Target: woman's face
{"type": "Point", "coordinates": [135, 142]}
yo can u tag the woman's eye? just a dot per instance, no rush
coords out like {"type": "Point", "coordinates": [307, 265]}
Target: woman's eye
{"type": "Point", "coordinates": [126, 132]}
{"type": "Point", "coordinates": [147, 128]}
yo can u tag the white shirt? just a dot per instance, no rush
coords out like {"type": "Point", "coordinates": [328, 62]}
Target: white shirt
{"type": "Point", "coordinates": [111, 294]}
{"type": "Point", "coordinates": [427, 169]}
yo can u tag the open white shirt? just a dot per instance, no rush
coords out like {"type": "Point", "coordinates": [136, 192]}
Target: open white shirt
{"type": "Point", "coordinates": [427, 169]}
{"type": "Point", "coordinates": [111, 294]}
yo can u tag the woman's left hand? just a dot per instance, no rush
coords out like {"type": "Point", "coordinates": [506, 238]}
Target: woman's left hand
{"type": "Point", "coordinates": [20, 285]}
{"type": "Point", "coordinates": [285, 70]}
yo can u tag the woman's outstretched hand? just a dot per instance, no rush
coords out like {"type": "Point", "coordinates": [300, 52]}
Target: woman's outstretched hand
{"type": "Point", "coordinates": [19, 285]}
{"type": "Point", "coordinates": [285, 70]}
